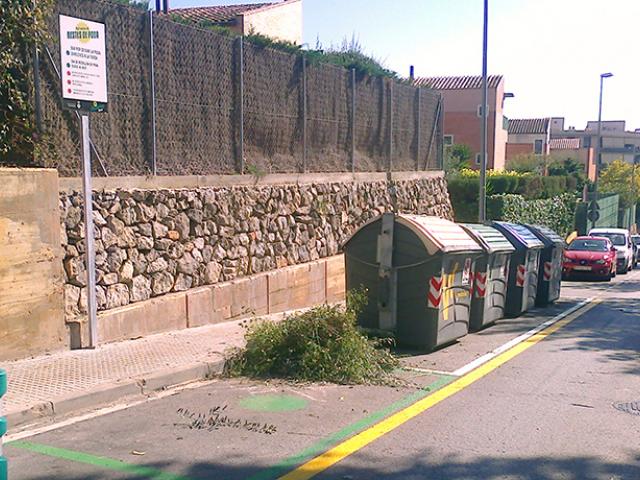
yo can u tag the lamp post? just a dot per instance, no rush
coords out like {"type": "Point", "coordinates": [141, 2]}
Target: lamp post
{"type": "Point", "coordinates": [599, 136]}
{"type": "Point", "coordinates": [482, 194]}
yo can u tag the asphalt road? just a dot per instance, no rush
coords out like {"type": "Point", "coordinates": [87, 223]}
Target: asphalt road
{"type": "Point", "coordinates": [557, 406]}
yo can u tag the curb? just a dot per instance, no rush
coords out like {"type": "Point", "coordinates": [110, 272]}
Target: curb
{"type": "Point", "coordinates": [133, 388]}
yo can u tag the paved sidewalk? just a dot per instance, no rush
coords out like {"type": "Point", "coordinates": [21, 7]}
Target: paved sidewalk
{"type": "Point", "coordinates": [67, 381]}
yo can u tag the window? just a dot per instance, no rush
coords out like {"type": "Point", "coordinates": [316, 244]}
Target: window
{"type": "Point", "coordinates": [586, 142]}
{"type": "Point", "coordinates": [480, 111]}
{"type": "Point", "coordinates": [537, 147]}
{"type": "Point", "coordinates": [478, 159]}
{"type": "Point", "coordinates": [448, 140]}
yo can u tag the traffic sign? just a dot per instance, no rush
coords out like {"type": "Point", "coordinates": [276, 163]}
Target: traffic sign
{"type": "Point", "coordinates": [593, 205]}
{"type": "Point", "coordinates": [593, 215]}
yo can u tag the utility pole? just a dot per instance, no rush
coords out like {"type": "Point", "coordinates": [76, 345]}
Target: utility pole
{"type": "Point", "coordinates": [482, 194]}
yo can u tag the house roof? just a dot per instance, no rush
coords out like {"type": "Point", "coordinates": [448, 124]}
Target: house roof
{"type": "Point", "coordinates": [564, 143]}
{"type": "Point", "coordinates": [457, 83]}
{"type": "Point", "coordinates": [529, 125]}
{"type": "Point", "coordinates": [217, 13]}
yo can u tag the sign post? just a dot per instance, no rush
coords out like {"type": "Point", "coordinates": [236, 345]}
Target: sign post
{"type": "Point", "coordinates": [84, 89]}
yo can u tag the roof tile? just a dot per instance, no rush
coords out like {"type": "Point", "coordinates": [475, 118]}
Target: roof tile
{"type": "Point", "coordinates": [529, 125]}
{"type": "Point", "coordinates": [216, 13]}
{"type": "Point", "coordinates": [457, 83]}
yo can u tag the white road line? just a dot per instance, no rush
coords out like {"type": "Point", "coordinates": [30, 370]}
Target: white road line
{"type": "Point", "coordinates": [519, 339]}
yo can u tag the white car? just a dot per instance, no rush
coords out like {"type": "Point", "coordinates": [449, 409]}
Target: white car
{"type": "Point", "coordinates": [621, 240]}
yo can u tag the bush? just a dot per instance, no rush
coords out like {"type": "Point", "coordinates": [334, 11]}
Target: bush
{"type": "Point", "coordinates": [322, 344]}
{"type": "Point", "coordinates": [557, 213]}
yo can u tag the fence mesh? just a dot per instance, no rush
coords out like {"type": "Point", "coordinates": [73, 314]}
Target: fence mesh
{"type": "Point", "coordinates": [224, 104]}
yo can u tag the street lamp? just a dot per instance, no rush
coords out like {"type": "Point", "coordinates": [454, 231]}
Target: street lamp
{"type": "Point", "coordinates": [482, 194]}
{"type": "Point", "coordinates": [599, 136]}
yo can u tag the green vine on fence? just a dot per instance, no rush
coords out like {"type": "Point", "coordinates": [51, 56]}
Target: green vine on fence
{"type": "Point", "coordinates": [22, 26]}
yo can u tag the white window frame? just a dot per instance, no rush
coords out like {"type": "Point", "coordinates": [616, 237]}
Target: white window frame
{"type": "Point", "coordinates": [478, 158]}
{"type": "Point", "coordinates": [479, 111]}
{"type": "Point", "coordinates": [444, 140]}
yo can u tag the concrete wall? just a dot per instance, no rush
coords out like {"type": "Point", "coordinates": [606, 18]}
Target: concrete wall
{"type": "Point", "coordinates": [31, 300]}
{"type": "Point", "coordinates": [282, 21]}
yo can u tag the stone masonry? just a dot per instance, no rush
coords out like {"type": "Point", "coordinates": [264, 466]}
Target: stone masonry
{"type": "Point", "coordinates": [152, 242]}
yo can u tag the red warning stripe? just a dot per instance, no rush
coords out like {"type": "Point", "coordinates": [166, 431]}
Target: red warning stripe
{"type": "Point", "coordinates": [434, 296]}
{"type": "Point", "coordinates": [547, 271]}
{"type": "Point", "coordinates": [480, 286]}
{"type": "Point", "coordinates": [522, 270]}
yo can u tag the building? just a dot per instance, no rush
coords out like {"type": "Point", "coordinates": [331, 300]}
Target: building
{"type": "Point", "coordinates": [617, 142]}
{"type": "Point", "coordinates": [278, 20]}
{"type": "Point", "coordinates": [528, 136]}
{"type": "Point", "coordinates": [463, 115]}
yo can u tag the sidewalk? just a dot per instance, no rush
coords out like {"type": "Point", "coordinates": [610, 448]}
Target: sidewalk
{"type": "Point", "coordinates": [68, 381]}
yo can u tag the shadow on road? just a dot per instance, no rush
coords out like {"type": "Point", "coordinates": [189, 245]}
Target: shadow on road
{"type": "Point", "coordinates": [414, 467]}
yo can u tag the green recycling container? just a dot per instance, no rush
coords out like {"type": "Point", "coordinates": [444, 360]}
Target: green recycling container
{"type": "Point", "coordinates": [550, 267]}
{"type": "Point", "coordinates": [417, 271]}
{"type": "Point", "coordinates": [523, 272]}
{"type": "Point", "coordinates": [490, 277]}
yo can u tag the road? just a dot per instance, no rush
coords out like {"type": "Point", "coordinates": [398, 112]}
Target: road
{"type": "Point", "coordinates": [558, 404]}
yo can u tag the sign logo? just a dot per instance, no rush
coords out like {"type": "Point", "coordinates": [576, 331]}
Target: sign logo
{"type": "Point", "coordinates": [82, 33]}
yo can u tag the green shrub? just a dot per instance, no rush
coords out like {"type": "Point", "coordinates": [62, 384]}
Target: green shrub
{"type": "Point", "coordinates": [321, 344]}
{"type": "Point", "coordinates": [557, 213]}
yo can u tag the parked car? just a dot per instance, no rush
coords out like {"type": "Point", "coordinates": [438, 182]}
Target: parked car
{"type": "Point", "coordinates": [621, 240]}
{"type": "Point", "coordinates": [635, 239]}
{"type": "Point", "coordinates": [590, 256]}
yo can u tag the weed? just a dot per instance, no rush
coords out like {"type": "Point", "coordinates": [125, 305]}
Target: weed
{"type": "Point", "coordinates": [321, 344]}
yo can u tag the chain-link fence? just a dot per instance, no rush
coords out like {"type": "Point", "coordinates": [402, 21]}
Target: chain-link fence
{"type": "Point", "coordinates": [188, 101]}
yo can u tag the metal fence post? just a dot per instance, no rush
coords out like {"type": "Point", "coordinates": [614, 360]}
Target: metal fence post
{"type": "Point", "coordinates": [390, 133]}
{"type": "Point", "coordinates": [154, 151]}
{"type": "Point", "coordinates": [353, 120]}
{"type": "Point", "coordinates": [433, 133]}
{"type": "Point", "coordinates": [240, 104]}
{"type": "Point", "coordinates": [304, 115]}
{"type": "Point", "coordinates": [418, 127]}
{"type": "Point", "coordinates": [441, 133]}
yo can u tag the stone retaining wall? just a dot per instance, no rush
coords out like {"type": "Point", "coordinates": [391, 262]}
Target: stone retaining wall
{"type": "Point", "coordinates": [155, 241]}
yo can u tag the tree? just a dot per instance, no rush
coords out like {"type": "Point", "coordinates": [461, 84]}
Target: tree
{"type": "Point", "coordinates": [621, 178]}
{"type": "Point", "coordinates": [570, 168]}
{"type": "Point", "coordinates": [456, 157]}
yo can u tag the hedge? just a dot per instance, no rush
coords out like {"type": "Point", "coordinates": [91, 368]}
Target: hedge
{"type": "Point", "coordinates": [557, 213]}
{"type": "Point", "coordinates": [463, 189]}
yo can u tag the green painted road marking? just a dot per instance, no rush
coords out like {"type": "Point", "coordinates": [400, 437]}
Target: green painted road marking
{"type": "Point", "coordinates": [273, 403]}
{"type": "Point", "coordinates": [107, 463]}
{"type": "Point", "coordinates": [323, 445]}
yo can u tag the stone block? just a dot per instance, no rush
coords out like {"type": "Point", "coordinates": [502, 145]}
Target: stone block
{"type": "Point", "coordinates": [297, 287]}
{"type": "Point", "coordinates": [336, 288]}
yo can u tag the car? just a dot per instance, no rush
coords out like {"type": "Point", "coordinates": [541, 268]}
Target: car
{"type": "Point", "coordinates": [590, 256]}
{"type": "Point", "coordinates": [635, 240]}
{"type": "Point", "coordinates": [621, 240]}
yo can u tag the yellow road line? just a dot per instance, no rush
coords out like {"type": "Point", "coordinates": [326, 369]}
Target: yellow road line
{"type": "Point", "coordinates": [339, 452]}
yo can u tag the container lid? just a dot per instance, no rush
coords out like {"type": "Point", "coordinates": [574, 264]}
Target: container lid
{"type": "Point", "coordinates": [439, 234]}
{"type": "Point", "coordinates": [520, 234]}
{"type": "Point", "coordinates": [491, 239]}
{"type": "Point", "coordinates": [546, 235]}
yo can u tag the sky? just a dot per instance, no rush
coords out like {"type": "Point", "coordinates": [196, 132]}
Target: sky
{"type": "Point", "coordinates": [551, 52]}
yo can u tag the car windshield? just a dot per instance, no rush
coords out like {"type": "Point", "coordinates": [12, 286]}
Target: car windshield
{"type": "Point", "coordinates": [616, 238]}
{"type": "Point", "coordinates": [588, 245]}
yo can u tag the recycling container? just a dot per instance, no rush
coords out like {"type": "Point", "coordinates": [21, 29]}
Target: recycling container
{"type": "Point", "coordinates": [417, 271]}
{"type": "Point", "coordinates": [550, 267]}
{"type": "Point", "coordinates": [523, 270]}
{"type": "Point", "coordinates": [491, 273]}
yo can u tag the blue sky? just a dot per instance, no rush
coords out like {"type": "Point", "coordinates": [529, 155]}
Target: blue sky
{"type": "Point", "coordinates": [551, 52]}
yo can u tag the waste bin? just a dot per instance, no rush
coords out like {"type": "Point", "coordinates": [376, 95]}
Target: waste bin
{"type": "Point", "coordinates": [417, 271]}
{"type": "Point", "coordinates": [523, 271]}
{"type": "Point", "coordinates": [550, 267]}
{"type": "Point", "coordinates": [490, 276]}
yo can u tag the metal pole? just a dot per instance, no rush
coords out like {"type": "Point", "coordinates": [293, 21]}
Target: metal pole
{"type": "Point", "coordinates": [90, 251]}
{"type": "Point", "coordinates": [241, 164]}
{"type": "Point", "coordinates": [598, 142]}
{"type": "Point", "coordinates": [154, 151]}
{"type": "Point", "coordinates": [418, 127]}
{"type": "Point", "coordinates": [482, 194]}
{"type": "Point", "coordinates": [440, 120]}
{"type": "Point", "coordinates": [36, 83]}
{"type": "Point", "coordinates": [390, 125]}
{"type": "Point", "coordinates": [353, 120]}
{"type": "Point", "coordinates": [304, 115]}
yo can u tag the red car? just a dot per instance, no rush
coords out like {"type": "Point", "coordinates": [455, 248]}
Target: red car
{"type": "Point", "coordinates": [590, 256]}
